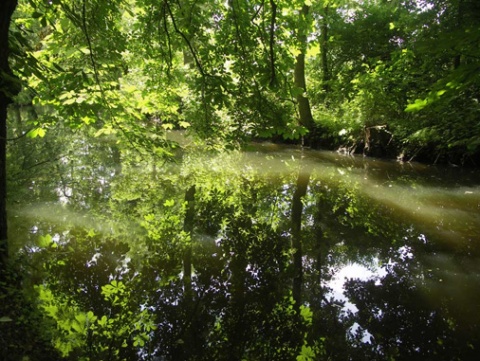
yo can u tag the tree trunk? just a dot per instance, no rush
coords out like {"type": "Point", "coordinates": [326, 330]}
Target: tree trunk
{"type": "Point", "coordinates": [6, 10]}
{"type": "Point", "coordinates": [324, 52]}
{"type": "Point", "coordinates": [306, 118]}
{"type": "Point", "coordinates": [297, 209]}
{"type": "Point", "coordinates": [459, 23]}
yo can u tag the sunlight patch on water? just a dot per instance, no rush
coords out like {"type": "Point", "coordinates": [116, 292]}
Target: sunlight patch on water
{"type": "Point", "coordinates": [449, 214]}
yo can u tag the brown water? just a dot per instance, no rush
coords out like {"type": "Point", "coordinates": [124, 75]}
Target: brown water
{"type": "Point", "coordinates": [389, 256]}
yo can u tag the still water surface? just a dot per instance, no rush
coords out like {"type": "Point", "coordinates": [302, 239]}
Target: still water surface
{"type": "Point", "coordinates": [270, 254]}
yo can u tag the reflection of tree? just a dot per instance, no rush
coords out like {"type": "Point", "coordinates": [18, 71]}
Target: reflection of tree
{"type": "Point", "coordinates": [406, 320]}
{"type": "Point", "coordinates": [297, 207]}
{"type": "Point", "coordinates": [188, 228]}
{"type": "Point", "coordinates": [205, 272]}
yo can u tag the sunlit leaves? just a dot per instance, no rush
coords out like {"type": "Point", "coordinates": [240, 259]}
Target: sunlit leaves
{"type": "Point", "coordinates": [85, 50]}
{"type": "Point", "coordinates": [419, 104]}
{"type": "Point", "coordinates": [82, 321]}
{"type": "Point", "coordinates": [113, 292]}
{"type": "Point", "coordinates": [169, 203]}
{"type": "Point", "coordinates": [37, 132]}
{"type": "Point", "coordinates": [306, 354]}
{"type": "Point", "coordinates": [45, 241]}
{"type": "Point", "coordinates": [306, 314]}
{"type": "Point", "coordinates": [313, 51]}
{"type": "Point", "coordinates": [71, 323]}
{"type": "Point", "coordinates": [184, 124]}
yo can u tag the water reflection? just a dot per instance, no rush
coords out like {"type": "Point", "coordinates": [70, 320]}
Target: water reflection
{"type": "Point", "coordinates": [271, 254]}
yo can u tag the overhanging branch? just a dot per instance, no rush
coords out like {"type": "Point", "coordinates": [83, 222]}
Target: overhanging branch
{"type": "Point", "coordinates": [184, 37]}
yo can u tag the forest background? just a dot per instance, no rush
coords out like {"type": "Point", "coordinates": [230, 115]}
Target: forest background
{"type": "Point", "coordinates": [351, 74]}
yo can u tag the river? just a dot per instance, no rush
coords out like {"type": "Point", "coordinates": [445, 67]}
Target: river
{"type": "Point", "coordinates": [274, 253]}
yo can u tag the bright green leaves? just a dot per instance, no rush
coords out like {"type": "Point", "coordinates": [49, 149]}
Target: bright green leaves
{"type": "Point", "coordinates": [114, 293]}
{"type": "Point", "coordinates": [434, 96]}
{"type": "Point", "coordinates": [142, 328]}
{"type": "Point", "coordinates": [37, 132]}
{"type": "Point", "coordinates": [169, 203]}
{"type": "Point", "coordinates": [313, 51]}
{"type": "Point", "coordinates": [306, 314]}
{"type": "Point", "coordinates": [71, 97]}
{"type": "Point", "coordinates": [184, 124]}
{"type": "Point", "coordinates": [45, 241]}
{"type": "Point", "coordinates": [72, 324]}
{"type": "Point", "coordinates": [82, 322]}
{"type": "Point", "coordinates": [85, 50]}
{"type": "Point", "coordinates": [306, 354]}
{"type": "Point", "coordinates": [419, 104]}
{"type": "Point", "coordinates": [309, 351]}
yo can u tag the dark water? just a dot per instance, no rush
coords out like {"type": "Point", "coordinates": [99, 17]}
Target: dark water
{"type": "Point", "coordinates": [270, 254]}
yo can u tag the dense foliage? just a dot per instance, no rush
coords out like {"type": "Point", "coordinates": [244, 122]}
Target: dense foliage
{"type": "Point", "coordinates": [396, 78]}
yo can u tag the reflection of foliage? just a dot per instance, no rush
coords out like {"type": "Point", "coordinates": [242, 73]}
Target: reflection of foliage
{"type": "Point", "coordinates": [403, 322]}
{"type": "Point", "coordinates": [95, 317]}
{"type": "Point", "coordinates": [24, 330]}
{"type": "Point", "coordinates": [121, 291]}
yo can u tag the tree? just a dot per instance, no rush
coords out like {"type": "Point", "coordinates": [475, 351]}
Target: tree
{"type": "Point", "coordinates": [303, 103]}
{"type": "Point", "coordinates": [8, 88]}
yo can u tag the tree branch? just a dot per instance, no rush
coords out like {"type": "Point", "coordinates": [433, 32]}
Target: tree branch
{"type": "Point", "coordinates": [184, 37]}
{"type": "Point", "coordinates": [20, 136]}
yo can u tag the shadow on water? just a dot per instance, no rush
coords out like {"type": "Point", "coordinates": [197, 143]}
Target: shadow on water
{"type": "Point", "coordinates": [362, 259]}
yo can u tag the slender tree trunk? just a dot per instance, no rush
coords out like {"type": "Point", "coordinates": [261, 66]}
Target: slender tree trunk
{"type": "Point", "coordinates": [297, 209]}
{"type": "Point", "coordinates": [7, 8]}
{"type": "Point", "coordinates": [303, 104]}
{"type": "Point", "coordinates": [459, 23]}
{"type": "Point", "coordinates": [324, 52]}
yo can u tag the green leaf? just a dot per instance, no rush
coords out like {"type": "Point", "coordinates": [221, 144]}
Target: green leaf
{"type": "Point", "coordinates": [81, 318]}
{"type": "Point", "coordinates": [69, 101]}
{"type": "Point", "coordinates": [103, 321]}
{"type": "Point", "coordinates": [77, 327]}
{"type": "Point", "coordinates": [167, 126]}
{"type": "Point", "coordinates": [169, 203]}
{"type": "Point", "coordinates": [149, 217]}
{"type": "Point", "coordinates": [85, 50]}
{"type": "Point", "coordinates": [45, 241]}
{"type": "Point", "coordinates": [306, 354]}
{"type": "Point", "coordinates": [306, 313]}
{"type": "Point", "coordinates": [37, 132]}
{"type": "Point", "coordinates": [5, 319]}
{"type": "Point", "coordinates": [418, 105]}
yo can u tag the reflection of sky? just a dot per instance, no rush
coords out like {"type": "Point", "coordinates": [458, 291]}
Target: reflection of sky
{"type": "Point", "coordinates": [353, 271]}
